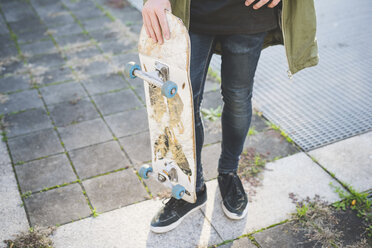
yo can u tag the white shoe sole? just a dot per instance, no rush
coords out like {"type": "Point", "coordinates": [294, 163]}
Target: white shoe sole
{"type": "Point", "coordinates": [234, 216]}
{"type": "Point", "coordinates": [163, 229]}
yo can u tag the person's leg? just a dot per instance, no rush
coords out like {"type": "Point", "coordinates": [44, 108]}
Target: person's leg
{"type": "Point", "coordinates": [171, 215]}
{"type": "Point", "coordinates": [240, 54]}
{"type": "Point", "coordinates": [201, 53]}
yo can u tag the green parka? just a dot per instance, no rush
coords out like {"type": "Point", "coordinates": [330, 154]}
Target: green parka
{"type": "Point", "coordinates": [296, 31]}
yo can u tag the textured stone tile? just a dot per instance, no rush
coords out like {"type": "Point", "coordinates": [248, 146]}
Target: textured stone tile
{"type": "Point", "coordinates": [58, 18]}
{"type": "Point", "coordinates": [134, 224]}
{"type": "Point", "coordinates": [243, 242]}
{"type": "Point", "coordinates": [65, 30]}
{"type": "Point", "coordinates": [58, 74]}
{"type": "Point", "coordinates": [73, 42]}
{"type": "Point", "coordinates": [270, 202]}
{"type": "Point", "coordinates": [27, 122]}
{"type": "Point", "coordinates": [13, 217]}
{"type": "Point", "coordinates": [43, 173]}
{"type": "Point", "coordinates": [3, 28]}
{"type": "Point", "coordinates": [127, 123]}
{"type": "Point", "coordinates": [27, 24]}
{"type": "Point", "coordinates": [6, 51]}
{"type": "Point", "coordinates": [57, 206]}
{"type": "Point", "coordinates": [105, 83]}
{"type": "Point", "coordinates": [350, 160]}
{"type": "Point", "coordinates": [98, 159]}
{"type": "Point", "coordinates": [96, 23]}
{"type": "Point", "coordinates": [271, 144]}
{"type": "Point", "coordinates": [75, 56]}
{"type": "Point", "coordinates": [66, 113]}
{"type": "Point", "coordinates": [140, 91]}
{"type": "Point", "coordinates": [16, 11]}
{"type": "Point", "coordinates": [34, 145]}
{"type": "Point", "coordinates": [85, 134]}
{"type": "Point", "coordinates": [46, 60]}
{"type": "Point", "coordinates": [138, 147]}
{"type": "Point", "coordinates": [117, 101]}
{"type": "Point", "coordinates": [284, 236]}
{"type": "Point", "coordinates": [115, 190]}
{"type": "Point", "coordinates": [11, 65]}
{"type": "Point", "coordinates": [30, 36]}
{"type": "Point", "coordinates": [92, 68]}
{"type": "Point", "coordinates": [21, 101]}
{"type": "Point", "coordinates": [258, 123]}
{"type": "Point", "coordinates": [71, 91]}
{"type": "Point", "coordinates": [41, 47]}
{"type": "Point", "coordinates": [212, 131]}
{"type": "Point", "coordinates": [14, 83]}
{"type": "Point", "coordinates": [212, 99]}
{"type": "Point", "coordinates": [210, 156]}
{"type": "Point", "coordinates": [116, 47]}
{"type": "Point", "coordinates": [211, 85]}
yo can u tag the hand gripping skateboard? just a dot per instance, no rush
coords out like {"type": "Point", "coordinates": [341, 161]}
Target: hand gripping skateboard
{"type": "Point", "coordinates": [165, 71]}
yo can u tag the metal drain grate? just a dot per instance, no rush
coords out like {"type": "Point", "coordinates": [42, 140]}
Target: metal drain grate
{"type": "Point", "coordinates": [331, 101]}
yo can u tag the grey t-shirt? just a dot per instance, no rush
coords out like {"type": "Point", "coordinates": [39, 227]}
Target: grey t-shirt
{"type": "Point", "coordinates": [230, 17]}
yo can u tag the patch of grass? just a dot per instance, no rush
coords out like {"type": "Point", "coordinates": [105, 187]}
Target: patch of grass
{"type": "Point", "coordinates": [214, 75]}
{"type": "Point", "coordinates": [26, 194]}
{"type": "Point", "coordinates": [212, 114]}
{"type": "Point", "coordinates": [282, 133]}
{"type": "Point", "coordinates": [252, 131]}
{"type": "Point", "coordinates": [95, 213]}
{"type": "Point", "coordinates": [34, 238]}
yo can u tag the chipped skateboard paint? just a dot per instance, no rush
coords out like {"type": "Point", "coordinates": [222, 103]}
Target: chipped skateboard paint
{"type": "Point", "coordinates": [171, 120]}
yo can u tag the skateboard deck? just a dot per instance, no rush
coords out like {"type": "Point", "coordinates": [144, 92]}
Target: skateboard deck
{"type": "Point", "coordinates": [171, 120]}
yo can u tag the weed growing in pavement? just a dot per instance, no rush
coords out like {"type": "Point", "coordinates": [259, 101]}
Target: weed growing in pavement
{"type": "Point", "coordinates": [212, 114]}
{"type": "Point", "coordinates": [35, 237]}
{"type": "Point", "coordinates": [213, 75]}
{"type": "Point", "coordinates": [95, 213]}
{"type": "Point", "coordinates": [252, 131]}
{"type": "Point", "coordinates": [355, 201]}
{"type": "Point", "coordinates": [26, 194]}
{"type": "Point", "coordinates": [277, 128]}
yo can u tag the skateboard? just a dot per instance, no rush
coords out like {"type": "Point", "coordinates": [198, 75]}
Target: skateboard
{"type": "Point", "coordinates": [165, 71]}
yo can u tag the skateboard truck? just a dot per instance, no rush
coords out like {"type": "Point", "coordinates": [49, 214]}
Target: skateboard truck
{"type": "Point", "coordinates": [158, 78]}
{"type": "Point", "coordinates": [163, 176]}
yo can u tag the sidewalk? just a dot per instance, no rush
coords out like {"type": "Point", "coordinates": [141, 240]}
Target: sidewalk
{"type": "Point", "coordinates": [75, 132]}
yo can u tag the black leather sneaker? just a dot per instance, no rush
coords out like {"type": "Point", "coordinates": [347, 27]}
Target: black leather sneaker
{"type": "Point", "coordinates": [234, 198]}
{"type": "Point", "coordinates": [174, 211]}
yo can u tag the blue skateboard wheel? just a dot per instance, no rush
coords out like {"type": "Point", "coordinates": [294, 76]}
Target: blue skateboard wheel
{"type": "Point", "coordinates": [169, 89]}
{"type": "Point", "coordinates": [178, 191]}
{"type": "Point", "coordinates": [144, 171]}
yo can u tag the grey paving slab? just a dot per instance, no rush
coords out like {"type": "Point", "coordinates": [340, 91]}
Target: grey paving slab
{"type": "Point", "coordinates": [271, 144]}
{"type": "Point", "coordinates": [138, 147]}
{"type": "Point", "coordinates": [27, 122]}
{"type": "Point", "coordinates": [30, 36]}
{"type": "Point", "coordinates": [114, 102]}
{"type": "Point", "coordinates": [45, 173]}
{"type": "Point", "coordinates": [72, 42]}
{"type": "Point", "coordinates": [13, 217]}
{"type": "Point", "coordinates": [20, 101]}
{"type": "Point", "coordinates": [140, 91]}
{"type": "Point", "coordinates": [58, 18]}
{"type": "Point", "coordinates": [211, 85]}
{"type": "Point", "coordinates": [105, 83]}
{"type": "Point", "coordinates": [65, 30]}
{"type": "Point", "coordinates": [212, 131]}
{"type": "Point", "coordinates": [91, 13]}
{"type": "Point", "coordinates": [85, 133]}
{"type": "Point", "coordinates": [66, 113]}
{"type": "Point", "coordinates": [71, 91]}
{"type": "Point", "coordinates": [57, 206]}
{"type": "Point", "coordinates": [93, 68]}
{"type": "Point", "coordinates": [129, 227]}
{"type": "Point", "coordinates": [11, 65]}
{"type": "Point", "coordinates": [350, 160]}
{"type": "Point", "coordinates": [212, 99]}
{"type": "Point", "coordinates": [3, 28]}
{"type": "Point", "coordinates": [115, 190]}
{"type": "Point", "coordinates": [54, 75]}
{"type": "Point", "coordinates": [98, 159]}
{"type": "Point", "coordinates": [116, 47]}
{"type": "Point", "coordinates": [240, 243]}
{"type": "Point", "coordinates": [258, 123]}
{"type": "Point", "coordinates": [47, 60]}
{"type": "Point", "coordinates": [14, 83]}
{"type": "Point", "coordinates": [86, 51]}
{"type": "Point", "coordinates": [34, 145]}
{"type": "Point", "coordinates": [127, 123]}
{"type": "Point", "coordinates": [41, 47]}
{"type": "Point", "coordinates": [270, 204]}
{"type": "Point", "coordinates": [95, 24]}
{"type": "Point", "coordinates": [6, 40]}
{"type": "Point", "coordinates": [15, 11]}
{"type": "Point", "coordinates": [210, 156]}
{"type": "Point", "coordinates": [10, 50]}
{"type": "Point", "coordinates": [284, 236]}
{"type": "Point", "coordinates": [27, 24]}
